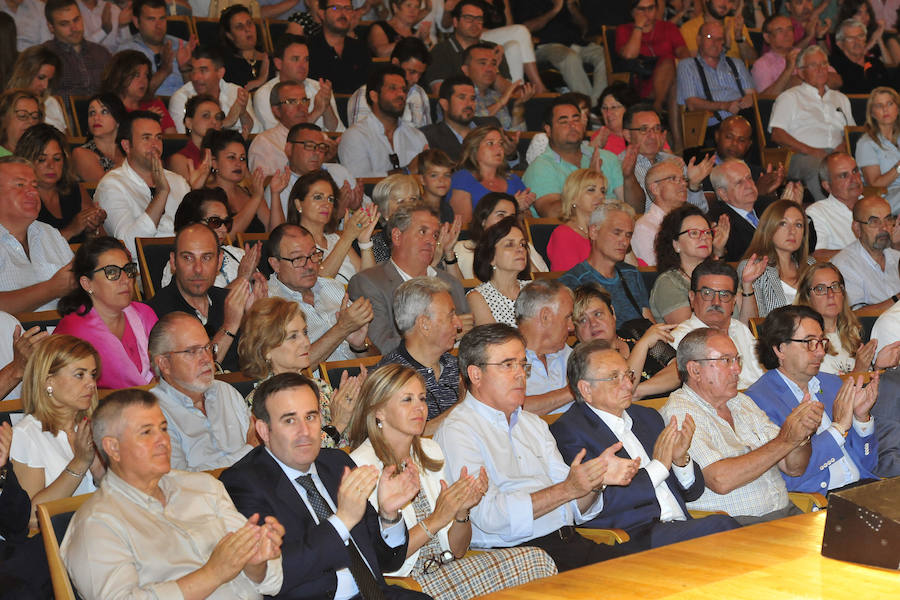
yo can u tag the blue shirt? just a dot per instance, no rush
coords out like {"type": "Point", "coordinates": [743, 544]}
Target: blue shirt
{"type": "Point", "coordinates": [722, 84]}
{"type": "Point", "coordinates": [547, 174]}
{"type": "Point", "coordinates": [583, 273]}
{"type": "Point", "coordinates": [465, 181]}
{"type": "Point", "coordinates": [171, 83]}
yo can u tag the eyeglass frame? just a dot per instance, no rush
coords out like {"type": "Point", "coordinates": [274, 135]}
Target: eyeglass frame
{"type": "Point", "coordinates": [618, 377]}
{"type": "Point", "coordinates": [888, 221]}
{"type": "Point", "coordinates": [24, 115]}
{"type": "Point", "coordinates": [812, 344]}
{"type": "Point", "coordinates": [321, 146]}
{"type": "Point", "coordinates": [708, 295]}
{"type": "Point", "coordinates": [509, 365]}
{"type": "Point", "coordinates": [293, 101]}
{"type": "Point", "coordinates": [835, 288]}
{"type": "Point", "coordinates": [729, 361]}
{"type": "Point", "coordinates": [228, 222]}
{"type": "Point", "coordinates": [438, 560]}
{"type": "Point", "coordinates": [306, 259]}
{"type": "Point", "coordinates": [710, 232]}
{"type": "Point", "coordinates": [117, 271]}
{"type": "Point", "coordinates": [194, 351]}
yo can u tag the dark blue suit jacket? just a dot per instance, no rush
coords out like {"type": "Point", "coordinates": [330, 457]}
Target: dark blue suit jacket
{"type": "Point", "coordinates": [311, 554]}
{"type": "Point", "coordinates": [887, 423]}
{"type": "Point", "coordinates": [773, 396]}
{"type": "Point", "coordinates": [633, 507]}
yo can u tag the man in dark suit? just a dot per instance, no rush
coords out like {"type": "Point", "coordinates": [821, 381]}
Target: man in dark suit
{"type": "Point", "coordinates": [336, 544]}
{"type": "Point", "coordinates": [844, 447]}
{"type": "Point", "coordinates": [414, 233]}
{"type": "Point", "coordinates": [887, 424]}
{"type": "Point", "coordinates": [457, 101]}
{"type": "Point", "coordinates": [653, 504]}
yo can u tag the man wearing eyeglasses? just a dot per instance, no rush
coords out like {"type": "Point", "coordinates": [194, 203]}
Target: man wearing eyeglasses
{"type": "Point", "coordinates": [667, 187]}
{"type": "Point", "coordinates": [714, 285]}
{"type": "Point", "coordinates": [336, 329]}
{"type": "Point", "coordinates": [534, 498]}
{"type": "Point", "coordinates": [792, 345]}
{"type": "Point", "coordinates": [833, 216]}
{"type": "Point", "coordinates": [860, 70]}
{"type": "Point", "coordinates": [333, 54]}
{"type": "Point", "coordinates": [290, 106]}
{"type": "Point", "coordinates": [869, 265]}
{"type": "Point", "coordinates": [209, 422]}
{"type": "Point", "coordinates": [740, 451]}
{"type": "Point", "coordinates": [652, 505]}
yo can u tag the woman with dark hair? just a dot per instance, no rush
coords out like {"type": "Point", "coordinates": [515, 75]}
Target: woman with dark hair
{"type": "Point", "coordinates": [386, 431]}
{"type": "Point", "coordinates": [62, 205]}
{"type": "Point", "coordinates": [201, 114]}
{"type": "Point", "coordinates": [685, 239]}
{"type": "Point", "coordinates": [501, 256]}
{"type": "Point", "coordinates": [246, 64]}
{"type": "Point", "coordinates": [101, 152]}
{"type": "Point", "coordinates": [35, 70]}
{"type": "Point", "coordinates": [311, 205]}
{"type": "Point", "coordinates": [210, 207]}
{"type": "Point", "coordinates": [100, 310]}
{"type": "Point", "coordinates": [782, 239]}
{"type": "Point", "coordinates": [19, 110]}
{"type": "Point", "coordinates": [405, 15]}
{"type": "Point", "coordinates": [483, 169]}
{"type": "Point", "coordinates": [613, 103]}
{"type": "Point", "coordinates": [491, 209]}
{"type": "Point", "coordinates": [128, 76]}
{"type": "Point", "coordinates": [228, 154]}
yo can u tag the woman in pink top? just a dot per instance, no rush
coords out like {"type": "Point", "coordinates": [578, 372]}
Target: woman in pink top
{"type": "Point", "coordinates": [100, 311]}
{"type": "Point", "coordinates": [128, 76]}
{"type": "Point", "coordinates": [583, 191]}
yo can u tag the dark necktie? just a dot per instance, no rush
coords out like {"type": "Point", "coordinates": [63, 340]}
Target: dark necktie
{"type": "Point", "coordinates": [365, 581]}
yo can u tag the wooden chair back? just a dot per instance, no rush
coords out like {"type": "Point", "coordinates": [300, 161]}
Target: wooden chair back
{"type": "Point", "coordinates": [153, 255]}
{"type": "Point", "coordinates": [331, 371]}
{"type": "Point", "coordinates": [539, 232]}
{"type": "Point", "coordinates": [45, 319]}
{"type": "Point", "coordinates": [53, 518]}
{"type": "Point", "coordinates": [259, 238]}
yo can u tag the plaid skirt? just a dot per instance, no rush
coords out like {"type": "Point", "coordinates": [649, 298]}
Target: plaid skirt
{"type": "Point", "coordinates": [485, 572]}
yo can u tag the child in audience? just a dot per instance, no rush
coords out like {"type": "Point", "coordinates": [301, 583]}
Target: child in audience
{"type": "Point", "coordinates": [435, 169]}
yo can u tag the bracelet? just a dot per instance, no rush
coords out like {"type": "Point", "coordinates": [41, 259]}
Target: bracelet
{"type": "Point", "coordinates": [466, 520]}
{"type": "Point", "coordinates": [78, 475]}
{"type": "Point", "coordinates": [745, 295]}
{"type": "Point", "coordinates": [427, 531]}
{"type": "Point", "coordinates": [228, 333]}
{"type": "Point", "coordinates": [895, 298]}
{"type": "Point", "coordinates": [453, 261]}
{"type": "Point", "coordinates": [387, 521]}
{"type": "Point", "coordinates": [365, 245]}
{"type": "Point", "coordinates": [687, 461]}
{"type": "Point", "coordinates": [358, 350]}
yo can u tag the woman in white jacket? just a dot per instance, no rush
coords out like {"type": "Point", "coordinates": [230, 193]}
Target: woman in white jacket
{"type": "Point", "coordinates": [386, 430]}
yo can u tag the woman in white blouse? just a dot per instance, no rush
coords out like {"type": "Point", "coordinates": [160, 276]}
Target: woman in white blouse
{"type": "Point", "coordinates": [52, 451]}
{"type": "Point", "coordinates": [878, 151]}
{"type": "Point", "coordinates": [386, 430]}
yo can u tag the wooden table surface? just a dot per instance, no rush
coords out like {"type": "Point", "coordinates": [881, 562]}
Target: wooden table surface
{"type": "Point", "coordinates": [780, 560]}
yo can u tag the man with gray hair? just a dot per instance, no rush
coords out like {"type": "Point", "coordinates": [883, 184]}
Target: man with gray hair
{"type": "Point", "coordinates": [833, 217]}
{"type": "Point", "coordinates": [427, 320]}
{"type": "Point", "coordinates": [290, 106]}
{"type": "Point", "coordinates": [738, 448]}
{"type": "Point", "coordinates": [413, 233]}
{"type": "Point", "coordinates": [667, 187]}
{"type": "Point", "coordinates": [809, 119]}
{"type": "Point", "coordinates": [163, 532]}
{"type": "Point", "coordinates": [544, 317]}
{"type": "Point", "coordinates": [209, 422]}
{"type": "Point", "coordinates": [610, 232]}
{"type": "Point", "coordinates": [860, 70]}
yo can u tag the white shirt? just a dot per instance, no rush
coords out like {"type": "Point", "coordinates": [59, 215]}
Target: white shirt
{"type": "Point", "coordinates": [93, 25]}
{"type": "Point", "coordinates": [833, 221]}
{"type": "Point", "coordinates": [8, 325]}
{"type": "Point", "coordinates": [201, 442]}
{"type": "Point", "coordinates": [48, 252]}
{"type": "Point", "coordinates": [227, 96]}
{"type": "Point", "coordinates": [321, 315]}
{"type": "Point", "coordinates": [865, 281]}
{"type": "Point", "coordinates": [263, 109]}
{"type": "Point", "coordinates": [339, 173]}
{"type": "Point", "coordinates": [814, 120]}
{"type": "Point", "coordinates": [645, 230]}
{"type": "Point", "coordinates": [743, 340]}
{"type": "Point", "coordinates": [550, 378]}
{"type": "Point", "coordinates": [670, 510]}
{"type": "Point", "coordinates": [417, 112]}
{"type": "Point", "coordinates": [40, 449]}
{"type": "Point", "coordinates": [520, 457]}
{"type": "Point", "coordinates": [124, 195]}
{"type": "Point", "coordinates": [53, 114]}
{"type": "Point", "coordinates": [31, 24]}
{"type": "Point", "coordinates": [364, 148]}
{"type": "Point", "coordinates": [146, 546]}
{"type": "Point", "coordinates": [267, 150]}
{"type": "Point", "coordinates": [887, 327]}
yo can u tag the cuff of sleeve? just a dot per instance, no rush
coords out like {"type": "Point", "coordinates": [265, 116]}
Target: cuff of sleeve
{"type": "Point", "coordinates": [339, 527]}
{"type": "Point", "coordinates": [657, 472]}
{"type": "Point", "coordinates": [685, 474]}
{"type": "Point", "coordinates": [864, 429]}
{"type": "Point", "coordinates": [167, 589]}
{"type": "Point", "coordinates": [837, 436]}
{"type": "Point", "coordinates": [520, 513]}
{"type": "Point", "coordinates": [274, 578]}
{"type": "Point", "coordinates": [394, 535]}
{"type": "Point", "coordinates": [593, 510]}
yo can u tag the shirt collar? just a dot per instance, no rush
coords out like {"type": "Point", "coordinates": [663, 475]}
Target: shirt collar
{"type": "Point", "coordinates": [116, 484]}
{"type": "Point", "coordinates": [491, 415]}
{"type": "Point", "coordinates": [429, 272]}
{"type": "Point", "coordinates": [813, 386]}
{"type": "Point", "coordinates": [281, 288]}
{"type": "Point", "coordinates": [291, 472]}
{"type": "Point", "coordinates": [618, 425]}
{"type": "Point", "coordinates": [166, 388]}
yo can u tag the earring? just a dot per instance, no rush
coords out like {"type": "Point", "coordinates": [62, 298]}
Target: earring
{"type": "Point", "coordinates": [213, 170]}
{"type": "Point", "coordinates": [493, 267]}
{"type": "Point", "coordinates": [90, 292]}
{"type": "Point", "coordinates": [379, 424]}
{"type": "Point", "coordinates": [50, 390]}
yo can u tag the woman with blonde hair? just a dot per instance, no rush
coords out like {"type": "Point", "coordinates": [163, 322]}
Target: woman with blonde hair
{"type": "Point", "coordinates": [386, 430]}
{"type": "Point", "coordinates": [483, 169]}
{"type": "Point", "coordinates": [821, 287]}
{"type": "Point", "coordinates": [583, 191]}
{"type": "Point", "coordinates": [782, 236]}
{"type": "Point", "coordinates": [52, 450]}
{"type": "Point", "coordinates": [35, 70]}
{"type": "Point", "coordinates": [878, 151]}
{"type": "Point", "coordinates": [19, 110]}
{"type": "Point", "coordinates": [273, 341]}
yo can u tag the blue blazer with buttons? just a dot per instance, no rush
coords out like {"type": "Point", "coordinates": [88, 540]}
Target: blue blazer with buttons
{"type": "Point", "coordinates": [773, 396]}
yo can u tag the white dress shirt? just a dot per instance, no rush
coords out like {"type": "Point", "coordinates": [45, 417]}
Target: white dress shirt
{"type": "Point", "coordinates": [263, 109]}
{"type": "Point", "coordinates": [48, 252]}
{"type": "Point", "coordinates": [669, 508]}
{"type": "Point", "coordinates": [394, 535]}
{"type": "Point", "coordinates": [227, 96]}
{"type": "Point", "coordinates": [124, 195]}
{"type": "Point", "coordinates": [520, 457]}
{"type": "Point", "coordinates": [866, 283]}
{"type": "Point", "coordinates": [31, 24]}
{"type": "Point", "coordinates": [417, 112]}
{"type": "Point", "coordinates": [201, 442]}
{"type": "Point", "coordinates": [8, 325]}
{"type": "Point", "coordinates": [146, 546]}
{"type": "Point", "coordinates": [267, 151]}
{"type": "Point", "coordinates": [833, 221]}
{"type": "Point", "coordinates": [814, 120]}
{"type": "Point", "coordinates": [548, 378]}
{"type": "Point", "coordinates": [887, 327]}
{"type": "Point", "coordinates": [364, 148]}
{"type": "Point", "coordinates": [743, 340]}
{"type": "Point", "coordinates": [93, 25]}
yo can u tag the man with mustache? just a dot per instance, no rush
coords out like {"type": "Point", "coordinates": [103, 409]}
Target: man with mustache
{"type": "Point", "coordinates": [869, 265]}
{"type": "Point", "coordinates": [792, 345]}
{"type": "Point", "coordinates": [712, 295]}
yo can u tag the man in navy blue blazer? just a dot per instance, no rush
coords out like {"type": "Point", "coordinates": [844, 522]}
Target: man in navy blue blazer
{"type": "Point", "coordinates": [844, 447]}
{"type": "Point", "coordinates": [653, 504]}
{"type": "Point", "coordinates": [336, 544]}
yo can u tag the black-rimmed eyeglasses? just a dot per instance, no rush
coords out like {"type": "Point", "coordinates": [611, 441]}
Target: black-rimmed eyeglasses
{"type": "Point", "coordinates": [114, 272]}
{"type": "Point", "coordinates": [300, 261]}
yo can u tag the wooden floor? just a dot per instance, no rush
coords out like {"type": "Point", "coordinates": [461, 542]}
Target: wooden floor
{"type": "Point", "coordinates": [780, 560]}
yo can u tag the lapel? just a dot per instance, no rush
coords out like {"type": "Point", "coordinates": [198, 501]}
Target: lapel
{"type": "Point", "coordinates": [596, 428]}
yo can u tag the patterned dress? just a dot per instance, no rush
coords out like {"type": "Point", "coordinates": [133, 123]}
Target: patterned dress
{"type": "Point", "coordinates": [503, 309]}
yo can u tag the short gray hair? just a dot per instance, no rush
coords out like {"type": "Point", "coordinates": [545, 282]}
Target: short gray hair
{"type": "Point", "coordinates": [106, 421]}
{"type": "Point", "coordinates": [577, 365]}
{"type": "Point", "coordinates": [275, 92]}
{"type": "Point", "coordinates": [602, 212]}
{"type": "Point", "coordinates": [693, 347]}
{"type": "Point", "coordinates": [719, 174]}
{"type": "Point", "coordinates": [402, 218]}
{"type": "Point", "coordinates": [159, 342]}
{"type": "Point", "coordinates": [413, 298]}
{"type": "Point", "coordinates": [536, 295]}
{"type": "Point", "coordinates": [801, 60]}
{"type": "Point", "coordinates": [656, 167]}
{"type": "Point", "coordinates": [840, 36]}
